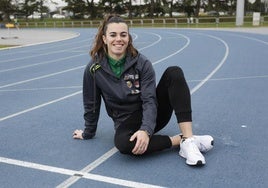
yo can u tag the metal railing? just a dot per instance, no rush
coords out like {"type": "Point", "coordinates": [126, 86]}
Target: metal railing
{"type": "Point", "coordinates": [156, 22]}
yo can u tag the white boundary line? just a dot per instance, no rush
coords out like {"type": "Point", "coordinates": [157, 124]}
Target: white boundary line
{"type": "Point", "coordinates": [43, 54]}
{"type": "Point", "coordinates": [72, 35]}
{"type": "Point", "coordinates": [231, 78]}
{"type": "Point", "coordinates": [152, 44]}
{"type": "Point", "coordinates": [250, 38]}
{"type": "Point", "coordinates": [39, 106]}
{"type": "Point", "coordinates": [41, 77]}
{"type": "Point", "coordinates": [178, 51]}
{"type": "Point", "coordinates": [45, 48]}
{"type": "Point", "coordinates": [42, 63]}
{"type": "Point", "coordinates": [217, 68]}
{"type": "Point", "coordinates": [88, 168]}
{"type": "Point", "coordinates": [42, 88]}
{"type": "Point", "coordinates": [75, 173]}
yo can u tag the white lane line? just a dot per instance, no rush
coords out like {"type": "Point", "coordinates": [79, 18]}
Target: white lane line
{"type": "Point", "coordinates": [178, 51]}
{"type": "Point", "coordinates": [41, 77]}
{"type": "Point", "coordinates": [198, 86]}
{"type": "Point", "coordinates": [44, 42]}
{"type": "Point", "coordinates": [42, 63]}
{"type": "Point", "coordinates": [61, 45]}
{"type": "Point", "coordinates": [39, 106]}
{"type": "Point", "coordinates": [88, 168]}
{"type": "Point", "coordinates": [79, 174]}
{"type": "Point", "coordinates": [231, 78]}
{"type": "Point", "coordinates": [41, 88]}
{"type": "Point", "coordinates": [154, 43]}
{"type": "Point", "coordinates": [43, 54]}
{"type": "Point", "coordinates": [251, 38]}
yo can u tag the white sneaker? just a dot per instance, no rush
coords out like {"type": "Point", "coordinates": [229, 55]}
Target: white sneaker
{"type": "Point", "coordinates": [204, 142]}
{"type": "Point", "coordinates": [190, 151]}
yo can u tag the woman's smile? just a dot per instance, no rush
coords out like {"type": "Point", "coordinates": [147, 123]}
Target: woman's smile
{"type": "Point", "coordinates": [116, 39]}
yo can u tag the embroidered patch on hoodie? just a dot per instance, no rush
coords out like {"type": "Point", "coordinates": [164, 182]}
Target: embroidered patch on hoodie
{"type": "Point", "coordinates": [133, 83]}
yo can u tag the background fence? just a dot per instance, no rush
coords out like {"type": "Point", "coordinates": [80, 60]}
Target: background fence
{"type": "Point", "coordinates": [156, 22]}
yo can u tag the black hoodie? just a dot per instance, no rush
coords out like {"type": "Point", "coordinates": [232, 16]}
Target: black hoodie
{"type": "Point", "coordinates": [135, 90]}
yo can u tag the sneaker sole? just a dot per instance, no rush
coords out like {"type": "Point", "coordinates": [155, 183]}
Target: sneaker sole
{"type": "Point", "coordinates": [197, 163]}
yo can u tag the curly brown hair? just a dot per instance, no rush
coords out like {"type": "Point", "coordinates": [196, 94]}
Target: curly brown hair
{"type": "Point", "coordinates": [99, 49]}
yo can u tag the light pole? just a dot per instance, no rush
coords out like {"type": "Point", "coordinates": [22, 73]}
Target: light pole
{"type": "Point", "coordinates": [240, 12]}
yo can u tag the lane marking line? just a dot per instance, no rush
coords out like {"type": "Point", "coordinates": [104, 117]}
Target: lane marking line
{"type": "Point", "coordinates": [44, 42]}
{"type": "Point", "coordinates": [250, 38]}
{"type": "Point", "coordinates": [88, 168]}
{"type": "Point", "coordinates": [41, 77]}
{"type": "Point", "coordinates": [42, 63]}
{"type": "Point", "coordinates": [42, 88]}
{"type": "Point", "coordinates": [232, 78]}
{"type": "Point", "coordinates": [198, 86]}
{"type": "Point", "coordinates": [45, 48]}
{"type": "Point", "coordinates": [152, 44]}
{"type": "Point", "coordinates": [178, 51]}
{"type": "Point", "coordinates": [75, 173]}
{"type": "Point", "coordinates": [39, 106]}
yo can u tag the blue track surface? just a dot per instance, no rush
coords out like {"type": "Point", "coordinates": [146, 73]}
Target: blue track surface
{"type": "Point", "coordinates": [41, 105]}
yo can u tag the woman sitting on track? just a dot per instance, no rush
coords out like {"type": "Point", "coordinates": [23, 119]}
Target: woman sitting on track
{"type": "Point", "coordinates": [125, 79]}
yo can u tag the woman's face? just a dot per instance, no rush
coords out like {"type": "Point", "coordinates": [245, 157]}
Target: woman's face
{"type": "Point", "coordinates": [116, 38]}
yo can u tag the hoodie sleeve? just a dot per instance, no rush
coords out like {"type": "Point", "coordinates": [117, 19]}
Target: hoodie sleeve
{"type": "Point", "coordinates": [92, 102]}
{"type": "Point", "coordinates": [148, 96]}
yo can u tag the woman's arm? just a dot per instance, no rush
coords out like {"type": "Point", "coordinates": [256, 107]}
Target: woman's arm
{"type": "Point", "coordinates": [92, 102]}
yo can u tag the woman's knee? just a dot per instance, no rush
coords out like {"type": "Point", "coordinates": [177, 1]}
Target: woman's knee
{"type": "Point", "coordinates": [174, 72]}
{"type": "Point", "coordinates": [123, 144]}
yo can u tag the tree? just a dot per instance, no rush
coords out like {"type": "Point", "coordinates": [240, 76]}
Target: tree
{"type": "Point", "coordinates": [91, 9]}
{"type": "Point", "coordinates": [197, 8]}
{"type": "Point", "coordinates": [77, 7]}
{"type": "Point", "coordinates": [41, 8]}
{"type": "Point", "coordinates": [188, 7]}
{"type": "Point", "coordinates": [28, 7]}
{"type": "Point", "coordinates": [130, 9]}
{"type": "Point", "coordinates": [6, 9]}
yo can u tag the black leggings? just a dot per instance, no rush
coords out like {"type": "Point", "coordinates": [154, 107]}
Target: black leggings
{"type": "Point", "coordinates": [172, 94]}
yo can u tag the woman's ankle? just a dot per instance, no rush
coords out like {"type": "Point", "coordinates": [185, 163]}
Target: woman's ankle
{"type": "Point", "coordinates": [175, 140]}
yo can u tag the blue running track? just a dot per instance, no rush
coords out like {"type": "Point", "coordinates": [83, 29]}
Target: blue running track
{"type": "Point", "coordinates": [41, 105]}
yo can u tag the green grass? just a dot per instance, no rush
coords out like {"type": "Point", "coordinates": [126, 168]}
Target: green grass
{"type": "Point", "coordinates": [5, 46]}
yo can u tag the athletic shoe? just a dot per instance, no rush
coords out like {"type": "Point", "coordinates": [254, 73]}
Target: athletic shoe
{"type": "Point", "coordinates": [190, 151]}
{"type": "Point", "coordinates": [204, 142]}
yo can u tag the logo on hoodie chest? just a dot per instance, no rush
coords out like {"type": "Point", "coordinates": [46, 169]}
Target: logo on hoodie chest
{"type": "Point", "coordinates": [133, 83]}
